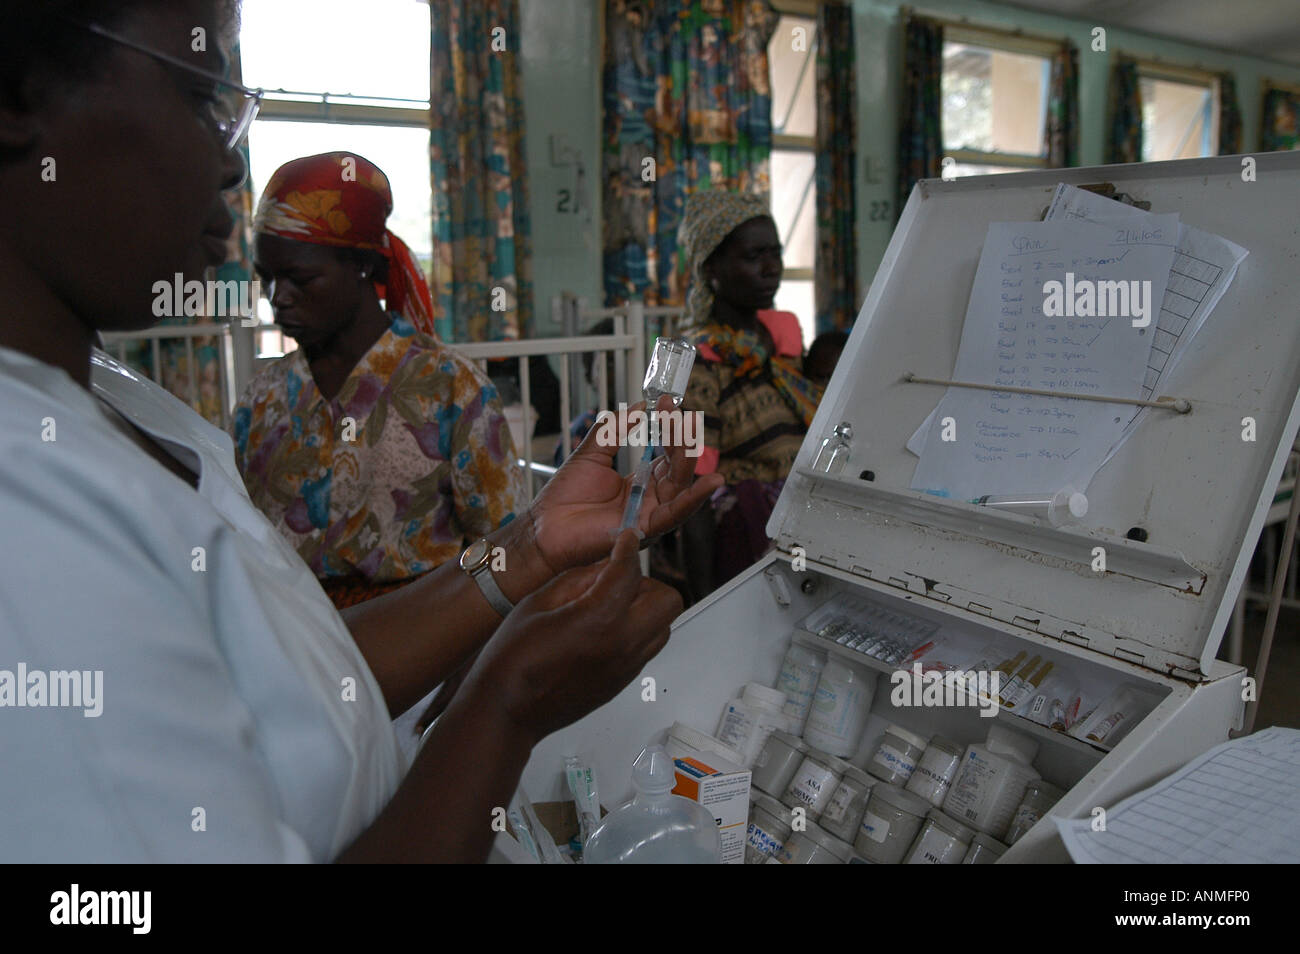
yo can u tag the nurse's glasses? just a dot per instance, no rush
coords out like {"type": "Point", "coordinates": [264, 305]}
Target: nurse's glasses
{"type": "Point", "coordinates": [231, 112]}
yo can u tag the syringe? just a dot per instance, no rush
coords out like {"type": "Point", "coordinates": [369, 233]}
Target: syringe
{"type": "Point", "coordinates": [668, 373]}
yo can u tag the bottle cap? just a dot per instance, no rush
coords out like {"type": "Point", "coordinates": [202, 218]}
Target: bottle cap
{"type": "Point", "coordinates": [790, 739]}
{"type": "Point", "coordinates": [952, 826]}
{"type": "Point", "coordinates": [910, 737]}
{"type": "Point", "coordinates": [838, 847]}
{"type": "Point", "coordinates": [770, 805]}
{"type": "Point", "coordinates": [1005, 741]}
{"type": "Point", "coordinates": [858, 777]}
{"type": "Point", "coordinates": [895, 797]}
{"type": "Point", "coordinates": [761, 695]}
{"type": "Point", "coordinates": [652, 772]}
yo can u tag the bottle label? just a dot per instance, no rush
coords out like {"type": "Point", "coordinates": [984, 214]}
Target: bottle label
{"type": "Point", "coordinates": [760, 840]}
{"type": "Point", "coordinates": [811, 785]}
{"type": "Point", "coordinates": [875, 827]}
{"type": "Point", "coordinates": [967, 796]}
{"type": "Point", "coordinates": [798, 682]}
{"type": "Point", "coordinates": [894, 761]}
{"type": "Point", "coordinates": [737, 723]}
{"type": "Point", "coordinates": [839, 804]}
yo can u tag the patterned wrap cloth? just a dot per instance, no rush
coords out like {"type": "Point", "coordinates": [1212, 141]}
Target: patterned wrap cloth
{"type": "Point", "coordinates": [413, 458]}
{"type": "Point", "coordinates": [343, 200]}
{"type": "Point", "coordinates": [708, 219]}
{"type": "Point", "coordinates": [757, 404]}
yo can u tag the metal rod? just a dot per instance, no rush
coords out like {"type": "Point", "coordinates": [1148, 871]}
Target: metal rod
{"type": "Point", "coordinates": [566, 410]}
{"type": "Point", "coordinates": [525, 396]}
{"type": "Point", "coordinates": [1181, 405]}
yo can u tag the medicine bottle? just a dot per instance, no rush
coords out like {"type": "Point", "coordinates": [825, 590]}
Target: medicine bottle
{"type": "Point", "coordinates": [813, 784]}
{"type": "Point", "coordinates": [991, 780]}
{"type": "Point", "coordinates": [840, 708]}
{"type": "Point", "coordinates": [835, 450]}
{"type": "Point", "coordinates": [842, 816]}
{"type": "Point", "coordinates": [983, 850]}
{"type": "Point", "coordinates": [895, 758]}
{"type": "Point", "coordinates": [935, 770]}
{"type": "Point", "coordinates": [1038, 800]}
{"type": "Point", "coordinates": [769, 828]}
{"type": "Point", "coordinates": [816, 846]}
{"type": "Point", "coordinates": [777, 763]}
{"type": "Point", "coordinates": [748, 721]}
{"type": "Point", "coordinates": [800, 671]}
{"type": "Point", "coordinates": [942, 841]}
{"type": "Point", "coordinates": [890, 824]}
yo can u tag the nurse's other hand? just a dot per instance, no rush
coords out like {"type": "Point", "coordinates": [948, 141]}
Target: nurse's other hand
{"type": "Point", "coordinates": [576, 511]}
{"type": "Point", "coordinates": [574, 644]}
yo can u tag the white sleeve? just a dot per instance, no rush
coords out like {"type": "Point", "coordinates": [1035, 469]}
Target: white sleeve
{"type": "Point", "coordinates": [169, 770]}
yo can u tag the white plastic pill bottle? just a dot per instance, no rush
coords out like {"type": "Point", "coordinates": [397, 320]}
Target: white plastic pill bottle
{"type": "Point", "coordinates": [840, 708]}
{"type": "Point", "coordinates": [800, 671]}
{"type": "Point", "coordinates": [749, 720]}
{"type": "Point", "coordinates": [991, 780]}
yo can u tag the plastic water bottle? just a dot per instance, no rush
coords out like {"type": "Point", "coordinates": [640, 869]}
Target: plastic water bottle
{"type": "Point", "coordinates": [656, 827]}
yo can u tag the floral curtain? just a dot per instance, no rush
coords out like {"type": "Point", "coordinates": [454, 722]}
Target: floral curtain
{"type": "Point", "coordinates": [920, 136]}
{"type": "Point", "coordinates": [837, 249]}
{"type": "Point", "coordinates": [1125, 113]}
{"type": "Point", "coordinates": [1062, 127]}
{"type": "Point", "coordinates": [1229, 116]}
{"type": "Point", "coordinates": [482, 268]}
{"type": "Point", "coordinates": [687, 105]}
{"type": "Point", "coordinates": [1278, 127]}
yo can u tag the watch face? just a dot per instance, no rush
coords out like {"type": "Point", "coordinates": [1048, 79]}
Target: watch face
{"type": "Point", "coordinates": [474, 555]}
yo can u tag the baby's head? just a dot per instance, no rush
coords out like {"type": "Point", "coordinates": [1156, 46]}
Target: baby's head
{"type": "Point", "coordinates": [823, 355]}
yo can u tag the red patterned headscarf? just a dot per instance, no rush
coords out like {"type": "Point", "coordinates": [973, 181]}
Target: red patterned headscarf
{"type": "Point", "coordinates": [342, 199]}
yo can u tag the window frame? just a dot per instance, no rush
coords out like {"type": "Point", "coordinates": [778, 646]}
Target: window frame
{"type": "Point", "coordinates": [785, 142]}
{"type": "Point", "coordinates": [1003, 42]}
{"type": "Point", "coordinates": [1154, 68]}
{"type": "Point", "coordinates": [326, 108]}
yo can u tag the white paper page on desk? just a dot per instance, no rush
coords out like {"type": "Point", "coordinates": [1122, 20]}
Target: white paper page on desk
{"type": "Point", "coordinates": [1204, 266]}
{"type": "Point", "coordinates": [1016, 443]}
{"type": "Point", "coordinates": [1237, 803]}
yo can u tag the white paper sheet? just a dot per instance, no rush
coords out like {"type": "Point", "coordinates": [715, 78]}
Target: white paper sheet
{"type": "Point", "coordinates": [1203, 268]}
{"type": "Point", "coordinates": [1014, 443]}
{"type": "Point", "coordinates": [1236, 803]}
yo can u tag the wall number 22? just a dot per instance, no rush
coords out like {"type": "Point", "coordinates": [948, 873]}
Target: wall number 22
{"type": "Point", "coordinates": [878, 212]}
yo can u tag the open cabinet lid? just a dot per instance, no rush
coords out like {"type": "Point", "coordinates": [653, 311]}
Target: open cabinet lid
{"type": "Point", "coordinates": [1192, 482]}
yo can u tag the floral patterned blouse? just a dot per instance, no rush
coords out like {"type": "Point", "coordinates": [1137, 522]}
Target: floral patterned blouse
{"type": "Point", "coordinates": [410, 462]}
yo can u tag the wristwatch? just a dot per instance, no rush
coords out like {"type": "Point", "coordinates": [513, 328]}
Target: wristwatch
{"type": "Point", "coordinates": [476, 562]}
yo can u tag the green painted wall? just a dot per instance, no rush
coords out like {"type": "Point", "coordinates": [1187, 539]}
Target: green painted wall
{"type": "Point", "coordinates": [561, 60]}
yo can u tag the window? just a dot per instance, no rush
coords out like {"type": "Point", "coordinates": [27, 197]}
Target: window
{"type": "Point", "coordinates": [1180, 112]}
{"type": "Point", "coordinates": [792, 60]}
{"type": "Point", "coordinates": [994, 91]}
{"type": "Point", "coordinates": [363, 89]}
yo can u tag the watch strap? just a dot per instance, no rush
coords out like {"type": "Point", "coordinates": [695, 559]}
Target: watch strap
{"type": "Point", "coordinates": [487, 584]}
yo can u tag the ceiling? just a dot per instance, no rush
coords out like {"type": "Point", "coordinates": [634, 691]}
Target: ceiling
{"type": "Point", "coordinates": [1268, 29]}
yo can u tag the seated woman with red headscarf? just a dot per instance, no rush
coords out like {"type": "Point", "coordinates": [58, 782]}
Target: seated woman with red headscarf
{"type": "Point", "coordinates": [376, 450]}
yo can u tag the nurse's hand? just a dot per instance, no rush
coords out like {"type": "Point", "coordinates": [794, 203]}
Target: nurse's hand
{"type": "Point", "coordinates": [574, 644]}
{"type": "Point", "coordinates": [576, 511]}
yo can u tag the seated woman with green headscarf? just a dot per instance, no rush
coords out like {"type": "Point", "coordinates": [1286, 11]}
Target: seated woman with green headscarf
{"type": "Point", "coordinates": [748, 381]}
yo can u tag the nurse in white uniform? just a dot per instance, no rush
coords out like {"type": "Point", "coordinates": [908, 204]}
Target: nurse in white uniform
{"type": "Point", "coordinates": [174, 684]}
